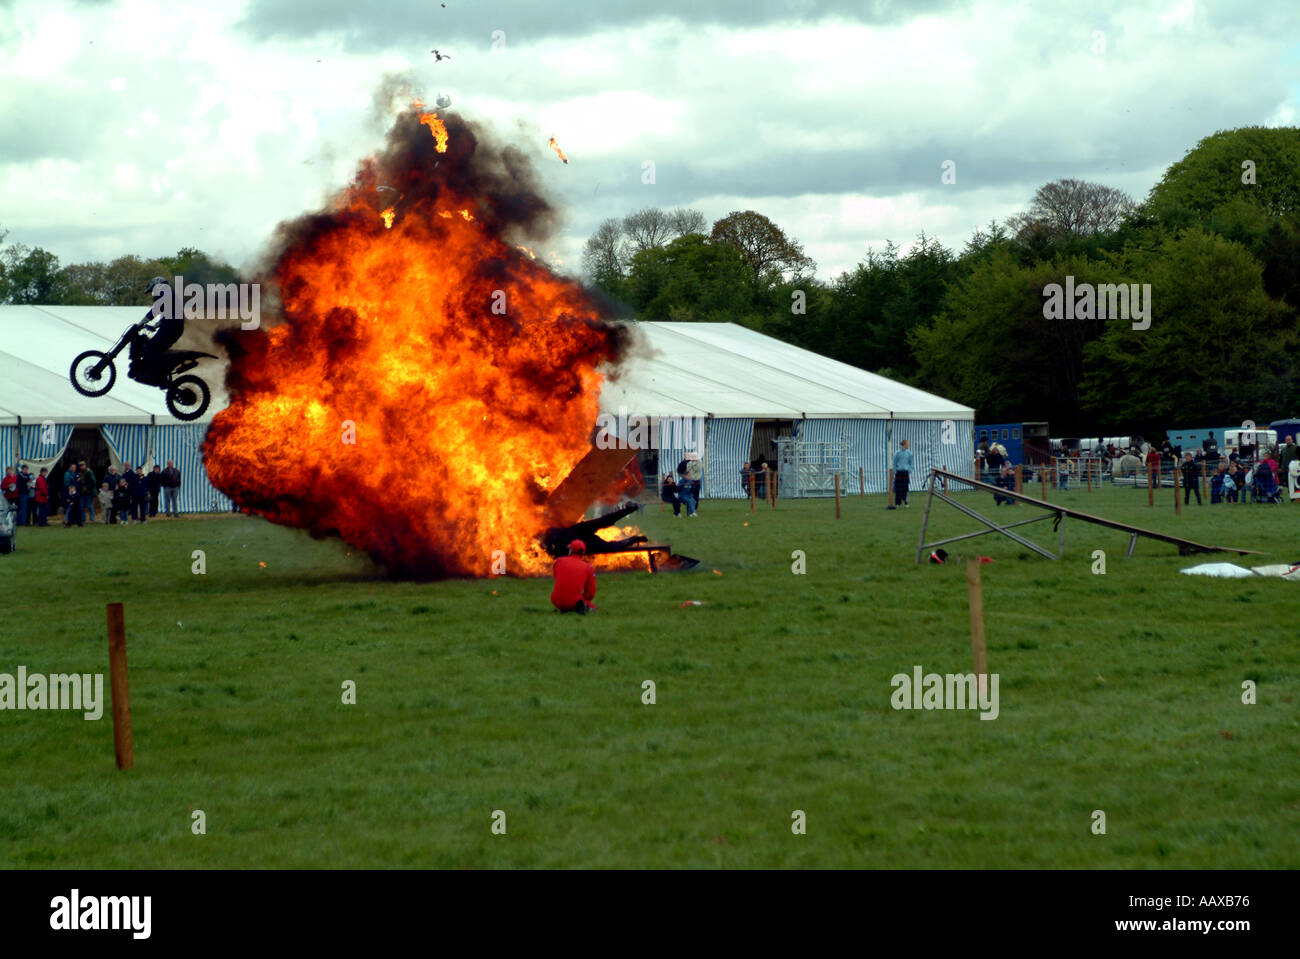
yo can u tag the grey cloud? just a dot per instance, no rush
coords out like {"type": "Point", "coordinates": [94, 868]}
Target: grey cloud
{"type": "Point", "coordinates": [365, 27]}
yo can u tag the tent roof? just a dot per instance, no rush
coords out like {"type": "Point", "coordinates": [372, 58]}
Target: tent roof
{"type": "Point", "coordinates": [37, 347]}
{"type": "Point", "coordinates": [674, 369]}
{"type": "Point", "coordinates": [721, 369]}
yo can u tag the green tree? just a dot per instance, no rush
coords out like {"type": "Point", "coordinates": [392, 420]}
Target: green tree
{"type": "Point", "coordinates": [690, 279]}
{"type": "Point", "coordinates": [1218, 344]}
{"type": "Point", "coordinates": [30, 274]}
{"type": "Point", "coordinates": [991, 347]}
{"type": "Point", "coordinates": [83, 284]}
{"type": "Point", "coordinates": [764, 245]}
{"type": "Point", "coordinates": [872, 309]}
{"type": "Point", "coordinates": [1212, 175]}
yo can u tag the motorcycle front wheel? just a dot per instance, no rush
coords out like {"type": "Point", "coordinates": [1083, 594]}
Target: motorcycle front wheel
{"type": "Point", "coordinates": [92, 373]}
{"type": "Point", "coordinates": [188, 397]}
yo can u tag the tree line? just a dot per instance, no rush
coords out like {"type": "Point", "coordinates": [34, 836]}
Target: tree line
{"type": "Point", "coordinates": [1217, 240]}
{"type": "Point", "coordinates": [33, 275]}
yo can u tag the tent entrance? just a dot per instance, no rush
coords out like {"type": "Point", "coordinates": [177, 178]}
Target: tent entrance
{"type": "Point", "coordinates": [762, 448]}
{"type": "Point", "coordinates": [86, 443]}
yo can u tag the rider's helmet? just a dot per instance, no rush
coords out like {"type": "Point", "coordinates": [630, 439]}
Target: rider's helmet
{"type": "Point", "coordinates": [152, 284]}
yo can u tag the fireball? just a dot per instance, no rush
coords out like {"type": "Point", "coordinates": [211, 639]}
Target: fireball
{"type": "Point", "coordinates": [425, 383]}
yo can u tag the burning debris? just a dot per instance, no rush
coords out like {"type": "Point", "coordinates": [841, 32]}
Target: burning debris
{"type": "Point", "coordinates": [426, 386]}
{"type": "Point", "coordinates": [438, 128]}
{"type": "Point", "coordinates": [558, 152]}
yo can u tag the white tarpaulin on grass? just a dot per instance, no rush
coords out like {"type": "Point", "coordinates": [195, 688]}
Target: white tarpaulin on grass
{"type": "Point", "coordinates": [1230, 571]}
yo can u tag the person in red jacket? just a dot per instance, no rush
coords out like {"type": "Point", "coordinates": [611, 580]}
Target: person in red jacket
{"type": "Point", "coordinates": [42, 499]}
{"type": "Point", "coordinates": [575, 581]}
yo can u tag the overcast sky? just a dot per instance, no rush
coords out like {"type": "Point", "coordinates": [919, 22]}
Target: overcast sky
{"type": "Point", "coordinates": [142, 127]}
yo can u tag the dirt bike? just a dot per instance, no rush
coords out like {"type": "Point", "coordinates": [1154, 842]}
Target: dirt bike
{"type": "Point", "coordinates": [93, 373]}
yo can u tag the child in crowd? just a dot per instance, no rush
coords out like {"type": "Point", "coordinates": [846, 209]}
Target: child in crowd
{"type": "Point", "coordinates": [105, 497]}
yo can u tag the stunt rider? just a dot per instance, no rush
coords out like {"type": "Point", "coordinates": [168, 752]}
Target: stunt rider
{"type": "Point", "coordinates": [149, 356]}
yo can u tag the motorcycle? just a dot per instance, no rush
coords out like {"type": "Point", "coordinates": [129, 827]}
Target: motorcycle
{"type": "Point", "coordinates": [93, 373]}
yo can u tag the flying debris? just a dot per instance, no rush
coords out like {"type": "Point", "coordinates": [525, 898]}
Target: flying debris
{"type": "Point", "coordinates": [443, 101]}
{"type": "Point", "coordinates": [439, 56]}
{"type": "Point", "coordinates": [558, 152]}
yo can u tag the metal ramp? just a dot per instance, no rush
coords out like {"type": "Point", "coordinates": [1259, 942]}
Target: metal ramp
{"type": "Point", "coordinates": [1185, 546]}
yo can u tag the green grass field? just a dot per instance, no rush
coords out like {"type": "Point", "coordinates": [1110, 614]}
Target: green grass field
{"type": "Point", "coordinates": [1119, 692]}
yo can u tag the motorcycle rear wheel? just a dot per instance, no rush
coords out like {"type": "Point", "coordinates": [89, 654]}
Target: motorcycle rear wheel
{"type": "Point", "coordinates": [188, 397]}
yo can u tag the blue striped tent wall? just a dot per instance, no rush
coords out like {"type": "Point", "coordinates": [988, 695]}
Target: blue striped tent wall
{"type": "Point", "coordinates": [727, 446]}
{"type": "Point", "coordinates": [44, 444]}
{"type": "Point", "coordinates": [872, 442]}
{"type": "Point", "coordinates": [128, 443]}
{"type": "Point", "coordinates": [866, 439]}
{"type": "Point", "coordinates": [142, 445]}
{"type": "Point", "coordinates": [8, 436]}
{"type": "Point", "coordinates": [183, 445]}
{"type": "Point", "coordinates": [926, 440]}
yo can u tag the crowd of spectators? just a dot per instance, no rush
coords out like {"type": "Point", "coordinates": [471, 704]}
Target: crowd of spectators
{"type": "Point", "coordinates": [129, 497]}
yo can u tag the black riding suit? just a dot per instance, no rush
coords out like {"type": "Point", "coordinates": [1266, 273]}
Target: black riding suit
{"type": "Point", "coordinates": [150, 356]}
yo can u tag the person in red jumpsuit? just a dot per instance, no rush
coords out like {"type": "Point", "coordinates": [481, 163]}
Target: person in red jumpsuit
{"type": "Point", "coordinates": [575, 581]}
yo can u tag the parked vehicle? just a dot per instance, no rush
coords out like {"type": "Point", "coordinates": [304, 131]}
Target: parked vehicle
{"type": "Point", "coordinates": [1248, 443]}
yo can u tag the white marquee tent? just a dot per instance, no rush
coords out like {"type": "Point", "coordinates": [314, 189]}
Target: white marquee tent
{"type": "Point", "coordinates": [744, 387]}
{"type": "Point", "coordinates": [749, 387]}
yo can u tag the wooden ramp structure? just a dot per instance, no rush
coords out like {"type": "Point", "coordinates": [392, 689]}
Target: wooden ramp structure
{"type": "Point", "coordinates": [1185, 546]}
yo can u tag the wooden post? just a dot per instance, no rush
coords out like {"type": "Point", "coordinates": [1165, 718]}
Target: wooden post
{"type": "Point", "coordinates": [975, 593]}
{"type": "Point", "coordinates": [1151, 490]}
{"type": "Point", "coordinates": [1042, 475]}
{"type": "Point", "coordinates": [122, 744]}
{"type": "Point", "coordinates": [837, 495]}
{"type": "Point", "coordinates": [1178, 503]}
{"type": "Point", "coordinates": [862, 482]}
{"type": "Point", "coordinates": [1205, 484]}
{"type": "Point", "coordinates": [751, 492]}
{"type": "Point", "coordinates": [891, 487]}
{"type": "Point", "coordinates": [1020, 486]}
{"type": "Point", "coordinates": [771, 487]}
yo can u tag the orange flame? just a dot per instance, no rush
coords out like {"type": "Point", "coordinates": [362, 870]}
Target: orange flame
{"type": "Point", "coordinates": [388, 217]}
{"type": "Point", "coordinates": [558, 152]}
{"type": "Point", "coordinates": [437, 128]}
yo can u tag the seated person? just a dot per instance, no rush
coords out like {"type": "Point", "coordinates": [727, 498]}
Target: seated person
{"type": "Point", "coordinates": [575, 581]}
{"type": "Point", "coordinates": [688, 491]}
{"type": "Point", "coordinates": [668, 493]}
